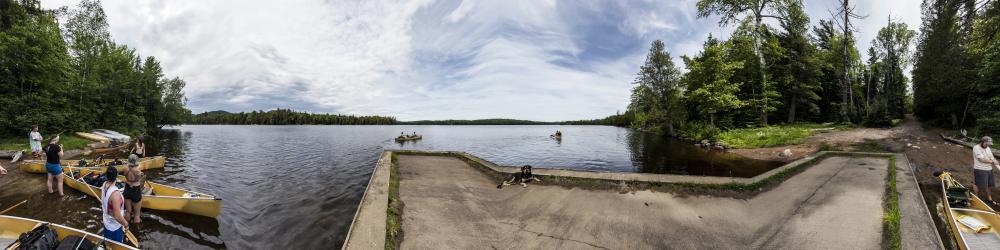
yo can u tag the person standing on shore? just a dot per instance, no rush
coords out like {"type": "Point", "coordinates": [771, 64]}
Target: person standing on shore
{"type": "Point", "coordinates": [113, 207]}
{"type": "Point", "coordinates": [53, 153]}
{"type": "Point", "coordinates": [983, 163]}
{"type": "Point", "coordinates": [139, 148]}
{"type": "Point", "coordinates": [133, 190]}
{"type": "Point", "coordinates": [35, 141]}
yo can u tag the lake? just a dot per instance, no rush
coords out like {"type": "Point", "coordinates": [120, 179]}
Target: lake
{"type": "Point", "coordinates": [297, 187]}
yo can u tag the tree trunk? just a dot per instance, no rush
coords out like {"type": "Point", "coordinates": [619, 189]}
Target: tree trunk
{"type": "Point", "coordinates": [791, 110]}
{"type": "Point", "coordinates": [760, 61]}
{"type": "Point", "coordinates": [670, 129]}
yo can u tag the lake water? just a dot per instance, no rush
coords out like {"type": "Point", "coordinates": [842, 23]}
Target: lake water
{"type": "Point", "coordinates": [297, 187]}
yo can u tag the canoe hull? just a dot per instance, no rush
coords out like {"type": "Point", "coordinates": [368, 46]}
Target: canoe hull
{"type": "Point", "coordinates": [38, 166]}
{"type": "Point", "coordinates": [408, 138]}
{"type": "Point", "coordinates": [93, 137]}
{"type": "Point", "coordinates": [110, 149]}
{"type": "Point", "coordinates": [167, 198]}
{"type": "Point", "coordinates": [11, 227]}
{"type": "Point", "coordinates": [965, 237]}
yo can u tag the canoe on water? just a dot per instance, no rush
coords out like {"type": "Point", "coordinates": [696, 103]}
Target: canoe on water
{"type": "Point", "coordinates": [409, 138]}
{"type": "Point", "coordinates": [972, 222]}
{"type": "Point", "coordinates": [146, 163]}
{"type": "Point", "coordinates": [92, 137]}
{"type": "Point", "coordinates": [163, 197]}
{"type": "Point", "coordinates": [11, 227]}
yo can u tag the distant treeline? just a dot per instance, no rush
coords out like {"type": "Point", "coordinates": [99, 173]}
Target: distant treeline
{"type": "Point", "coordinates": [620, 120]}
{"type": "Point", "coordinates": [478, 122]}
{"type": "Point", "coordinates": [287, 117]}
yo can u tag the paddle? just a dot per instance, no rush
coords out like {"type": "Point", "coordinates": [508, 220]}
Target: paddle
{"type": "Point", "coordinates": [12, 207]}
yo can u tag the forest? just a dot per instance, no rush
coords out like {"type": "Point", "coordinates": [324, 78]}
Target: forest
{"type": "Point", "coordinates": [286, 117]}
{"type": "Point", "coordinates": [794, 72]}
{"type": "Point", "coordinates": [62, 70]}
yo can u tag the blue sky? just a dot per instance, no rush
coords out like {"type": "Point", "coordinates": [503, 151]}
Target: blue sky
{"type": "Point", "coordinates": [425, 59]}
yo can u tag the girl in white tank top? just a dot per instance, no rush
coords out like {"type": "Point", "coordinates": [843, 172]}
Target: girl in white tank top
{"type": "Point", "coordinates": [110, 223]}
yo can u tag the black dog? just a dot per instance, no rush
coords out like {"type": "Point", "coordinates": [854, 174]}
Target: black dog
{"type": "Point", "coordinates": [522, 178]}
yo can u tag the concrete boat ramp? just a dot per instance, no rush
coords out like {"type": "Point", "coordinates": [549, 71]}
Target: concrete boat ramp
{"type": "Point", "coordinates": [450, 201]}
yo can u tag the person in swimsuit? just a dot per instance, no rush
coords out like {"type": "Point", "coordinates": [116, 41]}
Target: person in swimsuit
{"type": "Point", "coordinates": [134, 178]}
{"type": "Point", "coordinates": [140, 148]}
{"type": "Point", "coordinates": [53, 153]}
{"type": "Point", "coordinates": [113, 207]}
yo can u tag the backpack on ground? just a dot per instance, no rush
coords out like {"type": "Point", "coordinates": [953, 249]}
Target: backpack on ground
{"type": "Point", "coordinates": [76, 243]}
{"type": "Point", "coordinates": [40, 238]}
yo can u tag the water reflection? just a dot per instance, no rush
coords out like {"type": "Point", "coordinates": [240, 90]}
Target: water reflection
{"type": "Point", "coordinates": [655, 154]}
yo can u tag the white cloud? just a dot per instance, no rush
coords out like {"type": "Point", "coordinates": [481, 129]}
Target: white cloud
{"type": "Point", "coordinates": [543, 60]}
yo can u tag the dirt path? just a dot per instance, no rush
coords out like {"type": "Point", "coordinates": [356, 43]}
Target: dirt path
{"type": "Point", "coordinates": [924, 148]}
{"type": "Point", "coordinates": [448, 204]}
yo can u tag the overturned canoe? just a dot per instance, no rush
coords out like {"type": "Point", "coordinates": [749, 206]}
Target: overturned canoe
{"type": "Point", "coordinates": [972, 222]}
{"type": "Point", "coordinates": [120, 147]}
{"type": "Point", "coordinates": [409, 138]}
{"type": "Point", "coordinates": [165, 198]}
{"type": "Point", "coordinates": [11, 227]}
{"type": "Point", "coordinates": [92, 137]}
{"type": "Point", "coordinates": [38, 166]}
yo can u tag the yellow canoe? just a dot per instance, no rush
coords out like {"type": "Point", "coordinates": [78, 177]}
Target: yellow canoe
{"type": "Point", "coordinates": [93, 137]}
{"type": "Point", "coordinates": [974, 226]}
{"type": "Point", "coordinates": [109, 149]}
{"type": "Point", "coordinates": [11, 227]}
{"type": "Point", "coordinates": [38, 166]}
{"type": "Point", "coordinates": [165, 198]}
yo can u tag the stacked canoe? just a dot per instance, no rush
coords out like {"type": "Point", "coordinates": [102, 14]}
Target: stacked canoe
{"type": "Point", "coordinates": [38, 166]}
{"type": "Point", "coordinates": [973, 223]}
{"type": "Point", "coordinates": [11, 227]}
{"type": "Point", "coordinates": [162, 197]}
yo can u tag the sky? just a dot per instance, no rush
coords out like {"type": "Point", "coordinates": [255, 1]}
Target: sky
{"type": "Point", "coordinates": [541, 60]}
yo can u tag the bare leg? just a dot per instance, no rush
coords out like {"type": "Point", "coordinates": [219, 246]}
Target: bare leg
{"type": "Point", "coordinates": [48, 182]}
{"type": "Point", "coordinates": [136, 207]}
{"type": "Point", "coordinates": [128, 208]}
{"type": "Point", "coordinates": [60, 181]}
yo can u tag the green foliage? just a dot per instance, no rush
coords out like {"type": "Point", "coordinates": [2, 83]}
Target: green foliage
{"type": "Point", "coordinates": [75, 78]}
{"type": "Point", "coordinates": [618, 119]}
{"type": "Point", "coordinates": [287, 117]}
{"type": "Point", "coordinates": [986, 102]}
{"type": "Point", "coordinates": [697, 131]}
{"type": "Point", "coordinates": [708, 81]}
{"type": "Point", "coordinates": [796, 69]}
{"type": "Point", "coordinates": [769, 136]}
{"type": "Point", "coordinates": [890, 218]}
{"type": "Point", "coordinates": [942, 79]}
{"type": "Point", "coordinates": [657, 96]}
{"type": "Point", "coordinates": [21, 143]}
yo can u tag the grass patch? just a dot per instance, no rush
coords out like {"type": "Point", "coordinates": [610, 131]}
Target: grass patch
{"type": "Point", "coordinates": [868, 146]}
{"type": "Point", "coordinates": [394, 213]}
{"type": "Point", "coordinates": [890, 219]}
{"type": "Point", "coordinates": [828, 147]}
{"type": "Point", "coordinates": [70, 141]}
{"type": "Point", "coordinates": [772, 135]}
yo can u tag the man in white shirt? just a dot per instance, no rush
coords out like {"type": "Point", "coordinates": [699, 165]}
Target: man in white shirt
{"type": "Point", "coordinates": [983, 163]}
{"type": "Point", "coordinates": [35, 140]}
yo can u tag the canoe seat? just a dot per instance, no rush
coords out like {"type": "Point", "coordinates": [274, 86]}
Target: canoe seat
{"type": "Point", "coordinates": [958, 197]}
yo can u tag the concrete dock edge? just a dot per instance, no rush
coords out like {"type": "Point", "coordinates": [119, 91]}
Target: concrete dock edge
{"type": "Point", "coordinates": [917, 228]}
{"type": "Point", "coordinates": [367, 230]}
